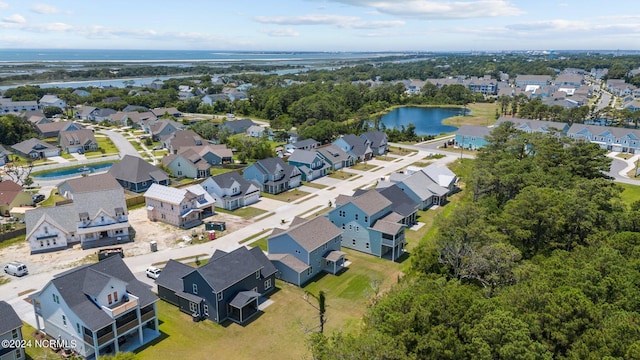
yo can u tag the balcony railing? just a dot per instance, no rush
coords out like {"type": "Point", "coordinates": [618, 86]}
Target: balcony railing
{"type": "Point", "coordinates": [128, 326]}
{"type": "Point", "coordinates": [104, 338]}
{"type": "Point", "coordinates": [130, 303]}
{"type": "Point", "coordinates": [147, 316]}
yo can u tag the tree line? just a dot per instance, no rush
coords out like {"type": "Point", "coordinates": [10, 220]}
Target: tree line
{"type": "Point", "coordinates": [537, 261]}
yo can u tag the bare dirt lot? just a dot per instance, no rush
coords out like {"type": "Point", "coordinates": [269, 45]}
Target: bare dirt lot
{"type": "Point", "coordinates": [166, 236]}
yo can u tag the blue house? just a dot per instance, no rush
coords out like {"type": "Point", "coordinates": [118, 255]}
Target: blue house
{"type": "Point", "coordinates": [369, 225]}
{"type": "Point", "coordinates": [334, 157]}
{"type": "Point", "coordinates": [472, 137]}
{"type": "Point", "coordinates": [228, 287]}
{"type": "Point", "coordinates": [306, 249]}
{"type": "Point", "coordinates": [357, 147]}
{"type": "Point", "coordinates": [607, 137]}
{"type": "Point", "coordinates": [273, 175]}
{"type": "Point", "coordinates": [377, 141]}
{"type": "Point", "coordinates": [310, 164]}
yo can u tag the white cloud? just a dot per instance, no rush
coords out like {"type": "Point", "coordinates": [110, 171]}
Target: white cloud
{"type": "Point", "coordinates": [313, 19]}
{"type": "Point", "coordinates": [286, 32]}
{"type": "Point", "coordinates": [3, 5]}
{"type": "Point", "coordinates": [376, 24]}
{"type": "Point", "coordinates": [44, 9]}
{"type": "Point", "coordinates": [15, 19]}
{"type": "Point", "coordinates": [423, 9]}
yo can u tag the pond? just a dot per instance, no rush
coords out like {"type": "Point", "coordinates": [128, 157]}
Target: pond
{"type": "Point", "coordinates": [74, 171]}
{"type": "Point", "coordinates": [428, 121]}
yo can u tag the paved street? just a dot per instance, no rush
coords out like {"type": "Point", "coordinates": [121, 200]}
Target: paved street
{"type": "Point", "coordinates": [18, 289]}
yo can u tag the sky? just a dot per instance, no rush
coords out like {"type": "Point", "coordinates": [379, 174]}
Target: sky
{"type": "Point", "coordinates": [321, 25]}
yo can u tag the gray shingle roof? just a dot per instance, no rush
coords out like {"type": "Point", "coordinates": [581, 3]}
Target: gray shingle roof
{"type": "Point", "coordinates": [474, 131]}
{"type": "Point", "coordinates": [171, 275]}
{"type": "Point", "coordinates": [224, 271]}
{"type": "Point", "coordinates": [136, 170]}
{"type": "Point", "coordinates": [371, 202]}
{"type": "Point", "coordinates": [303, 156]}
{"type": "Point", "coordinates": [70, 285]}
{"type": "Point", "coordinates": [313, 233]}
{"type": "Point", "coordinates": [401, 202]}
{"type": "Point", "coordinates": [290, 261]}
{"type": "Point", "coordinates": [10, 319]}
{"type": "Point", "coordinates": [90, 184]}
{"type": "Point", "coordinates": [27, 146]}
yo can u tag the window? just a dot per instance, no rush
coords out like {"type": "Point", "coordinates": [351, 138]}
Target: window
{"type": "Point", "coordinates": [14, 333]}
{"type": "Point", "coordinates": [56, 299]}
{"type": "Point", "coordinates": [356, 216]}
{"type": "Point", "coordinates": [179, 173]}
{"type": "Point", "coordinates": [342, 226]}
{"type": "Point", "coordinates": [220, 296]}
{"type": "Point", "coordinates": [48, 242]}
{"type": "Point", "coordinates": [206, 310]}
{"type": "Point", "coordinates": [258, 274]}
{"type": "Point", "coordinates": [109, 299]}
{"type": "Point", "coordinates": [54, 241]}
{"type": "Point", "coordinates": [161, 205]}
{"type": "Point", "coordinates": [367, 245]}
{"type": "Point", "coordinates": [357, 228]}
{"type": "Point", "coordinates": [115, 296]}
{"type": "Point", "coordinates": [267, 284]}
{"type": "Point", "coordinates": [366, 218]}
{"type": "Point", "coordinates": [195, 288]}
{"type": "Point", "coordinates": [41, 243]}
{"type": "Point", "coordinates": [78, 328]}
{"type": "Point", "coordinates": [163, 216]}
{"type": "Point", "coordinates": [353, 241]}
{"type": "Point", "coordinates": [193, 307]}
{"type": "Point", "coordinates": [46, 230]}
{"type": "Point", "coordinates": [64, 320]}
{"type": "Point", "coordinates": [310, 270]}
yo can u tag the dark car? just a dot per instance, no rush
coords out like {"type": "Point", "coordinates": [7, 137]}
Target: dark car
{"type": "Point", "coordinates": [38, 198]}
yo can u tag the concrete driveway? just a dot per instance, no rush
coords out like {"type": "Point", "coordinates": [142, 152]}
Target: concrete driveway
{"type": "Point", "coordinates": [123, 145]}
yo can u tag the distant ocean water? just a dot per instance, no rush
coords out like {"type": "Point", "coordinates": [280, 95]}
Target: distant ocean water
{"type": "Point", "coordinates": [80, 55]}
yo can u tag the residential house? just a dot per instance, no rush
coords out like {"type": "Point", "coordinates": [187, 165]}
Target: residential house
{"type": "Point", "coordinates": [94, 215]}
{"type": "Point", "coordinates": [530, 126]}
{"type": "Point", "coordinates": [85, 112]}
{"type": "Point", "coordinates": [357, 147]}
{"type": "Point", "coordinates": [369, 225]}
{"type": "Point", "coordinates": [228, 287]}
{"type": "Point", "coordinates": [10, 333]}
{"type": "Point", "coordinates": [166, 112]}
{"type": "Point", "coordinates": [53, 101]}
{"type": "Point", "coordinates": [442, 175]}
{"type": "Point", "coordinates": [77, 141]}
{"type": "Point", "coordinates": [306, 249]}
{"type": "Point", "coordinates": [35, 117]}
{"type": "Point", "coordinates": [231, 191]}
{"type": "Point", "coordinates": [81, 93]}
{"type": "Point", "coordinates": [472, 137]}
{"type": "Point", "coordinates": [133, 118]}
{"type": "Point", "coordinates": [422, 189]}
{"type": "Point", "coordinates": [212, 154]}
{"type": "Point", "coordinates": [335, 157]}
{"type": "Point", "coordinates": [184, 208]}
{"type": "Point", "coordinates": [273, 176]}
{"type": "Point", "coordinates": [310, 164]}
{"type": "Point", "coordinates": [162, 128]}
{"type": "Point", "coordinates": [306, 144]}
{"type": "Point", "coordinates": [540, 80]}
{"type": "Point", "coordinates": [377, 141]}
{"type": "Point", "coordinates": [135, 174]}
{"type": "Point", "coordinates": [187, 164]}
{"type": "Point", "coordinates": [53, 129]}
{"type": "Point", "coordinates": [485, 86]}
{"type": "Point", "coordinates": [258, 131]}
{"type": "Point", "coordinates": [238, 126]}
{"type": "Point", "coordinates": [35, 149]}
{"type": "Point", "coordinates": [5, 155]}
{"type": "Point", "coordinates": [101, 308]}
{"type": "Point", "coordinates": [401, 203]}
{"type": "Point", "coordinates": [211, 99]}
{"type": "Point", "coordinates": [607, 137]}
{"type": "Point", "coordinates": [8, 106]}
{"type": "Point", "coordinates": [103, 114]}
{"type": "Point", "coordinates": [12, 195]}
{"type": "Point", "coordinates": [569, 80]}
{"type": "Point", "coordinates": [182, 138]}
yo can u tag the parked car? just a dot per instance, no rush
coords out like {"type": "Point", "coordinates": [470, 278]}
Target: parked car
{"type": "Point", "coordinates": [16, 268]}
{"type": "Point", "coordinates": [38, 198]}
{"type": "Point", "coordinates": [153, 272]}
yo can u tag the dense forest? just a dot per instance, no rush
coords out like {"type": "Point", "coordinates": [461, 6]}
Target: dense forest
{"type": "Point", "coordinates": [539, 260]}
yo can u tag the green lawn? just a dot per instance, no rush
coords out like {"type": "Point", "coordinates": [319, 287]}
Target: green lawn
{"type": "Point", "coordinates": [398, 150]}
{"type": "Point", "coordinates": [282, 326]}
{"type": "Point", "coordinates": [246, 212]}
{"type": "Point", "coordinates": [136, 145]}
{"type": "Point", "coordinates": [339, 174]}
{"type": "Point", "coordinates": [630, 194]}
{"type": "Point", "coordinates": [363, 166]}
{"type": "Point", "coordinates": [106, 145]}
{"type": "Point", "coordinates": [287, 196]}
{"type": "Point", "coordinates": [219, 170]}
{"type": "Point", "coordinates": [314, 185]}
{"type": "Point", "coordinates": [35, 352]}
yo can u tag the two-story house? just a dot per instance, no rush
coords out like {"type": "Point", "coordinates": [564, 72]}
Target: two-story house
{"type": "Point", "coordinates": [77, 141]}
{"type": "Point", "coordinates": [357, 147]}
{"type": "Point", "coordinates": [188, 164]}
{"type": "Point", "coordinates": [231, 191]}
{"type": "Point", "coordinates": [35, 149]}
{"type": "Point", "coordinates": [10, 330]}
{"type": "Point", "coordinates": [228, 287]}
{"type": "Point", "coordinates": [306, 249]}
{"type": "Point", "coordinates": [100, 308]}
{"type": "Point", "coordinates": [135, 174]}
{"type": "Point", "coordinates": [95, 214]}
{"type": "Point", "coordinates": [421, 188]}
{"type": "Point", "coordinates": [335, 157]}
{"type": "Point", "coordinates": [310, 164]}
{"type": "Point", "coordinates": [273, 175]}
{"type": "Point", "coordinates": [369, 225]}
{"type": "Point", "coordinates": [52, 101]}
{"type": "Point", "coordinates": [377, 141]}
{"type": "Point", "coordinates": [184, 208]}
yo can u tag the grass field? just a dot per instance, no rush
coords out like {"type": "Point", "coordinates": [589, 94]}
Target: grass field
{"type": "Point", "coordinates": [363, 166]}
{"type": "Point", "coordinates": [287, 196]}
{"type": "Point", "coordinates": [482, 114]}
{"type": "Point", "coordinates": [246, 212]}
{"type": "Point", "coordinates": [280, 332]}
{"type": "Point", "coordinates": [630, 194]}
{"type": "Point", "coordinates": [339, 174]}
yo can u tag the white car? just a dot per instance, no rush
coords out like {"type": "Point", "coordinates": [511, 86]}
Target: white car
{"type": "Point", "coordinates": [153, 272]}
